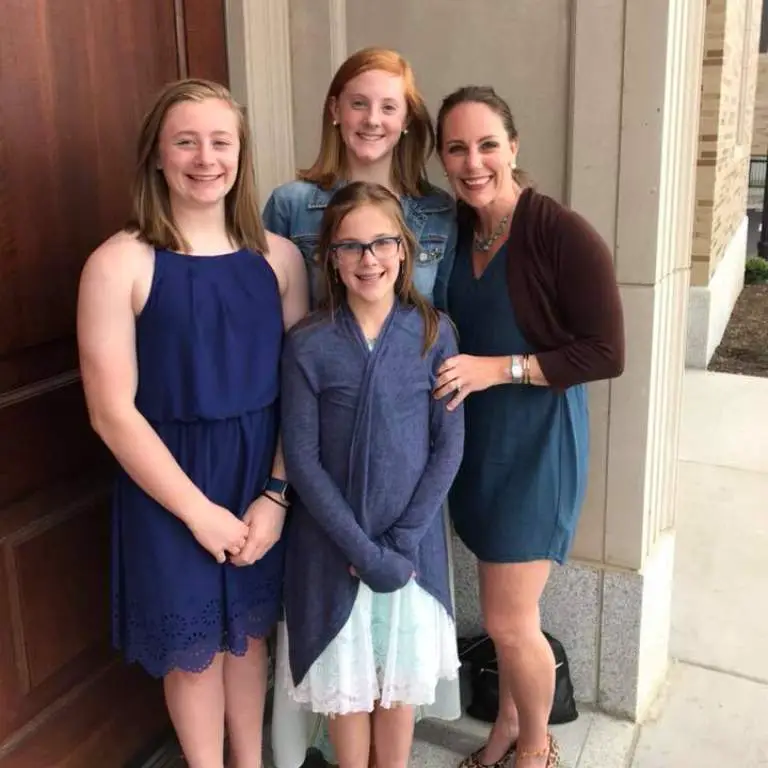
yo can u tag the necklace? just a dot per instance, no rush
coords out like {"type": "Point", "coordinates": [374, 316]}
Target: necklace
{"type": "Point", "coordinates": [484, 244]}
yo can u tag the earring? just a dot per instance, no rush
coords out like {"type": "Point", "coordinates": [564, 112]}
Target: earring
{"type": "Point", "coordinates": [512, 164]}
{"type": "Point", "coordinates": [445, 173]}
{"type": "Point", "coordinates": [405, 131]}
{"type": "Point", "coordinates": [335, 123]}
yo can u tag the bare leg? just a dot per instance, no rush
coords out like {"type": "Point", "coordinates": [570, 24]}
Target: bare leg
{"type": "Point", "coordinates": [505, 730]}
{"type": "Point", "coordinates": [393, 733]}
{"type": "Point", "coordinates": [510, 595]}
{"type": "Point", "coordinates": [351, 739]}
{"type": "Point", "coordinates": [245, 686]}
{"type": "Point", "coordinates": [195, 702]}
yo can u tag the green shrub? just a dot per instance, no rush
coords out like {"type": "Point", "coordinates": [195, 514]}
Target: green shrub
{"type": "Point", "coordinates": [756, 271]}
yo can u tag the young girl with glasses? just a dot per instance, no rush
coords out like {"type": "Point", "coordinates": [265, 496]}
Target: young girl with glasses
{"type": "Point", "coordinates": [371, 455]}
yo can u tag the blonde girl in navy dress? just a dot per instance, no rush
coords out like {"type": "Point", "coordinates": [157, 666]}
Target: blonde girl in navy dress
{"type": "Point", "coordinates": [180, 325]}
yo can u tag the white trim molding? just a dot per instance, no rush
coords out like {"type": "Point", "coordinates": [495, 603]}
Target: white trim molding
{"type": "Point", "coordinates": [259, 52]}
{"type": "Point", "coordinates": [337, 14]}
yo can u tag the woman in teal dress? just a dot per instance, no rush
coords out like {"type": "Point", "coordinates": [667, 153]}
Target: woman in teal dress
{"type": "Point", "coordinates": [534, 298]}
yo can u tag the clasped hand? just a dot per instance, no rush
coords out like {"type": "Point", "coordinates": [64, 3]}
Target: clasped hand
{"type": "Point", "coordinates": [245, 541]}
{"type": "Point", "coordinates": [265, 519]}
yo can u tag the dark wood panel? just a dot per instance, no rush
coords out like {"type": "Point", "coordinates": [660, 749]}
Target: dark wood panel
{"type": "Point", "coordinates": [9, 676]}
{"type": "Point", "coordinates": [74, 610]}
{"type": "Point", "coordinates": [66, 166]}
{"type": "Point", "coordinates": [45, 647]}
{"type": "Point", "coordinates": [76, 80]}
{"type": "Point", "coordinates": [206, 48]}
{"type": "Point", "coordinates": [86, 734]}
{"type": "Point", "coordinates": [53, 441]}
{"type": "Point", "coordinates": [37, 363]}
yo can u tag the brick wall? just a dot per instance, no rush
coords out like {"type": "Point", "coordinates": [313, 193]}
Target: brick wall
{"type": "Point", "coordinates": [725, 129]}
{"type": "Point", "coordinates": [760, 128]}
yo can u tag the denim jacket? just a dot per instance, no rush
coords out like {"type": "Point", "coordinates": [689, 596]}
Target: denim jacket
{"type": "Point", "coordinates": [295, 210]}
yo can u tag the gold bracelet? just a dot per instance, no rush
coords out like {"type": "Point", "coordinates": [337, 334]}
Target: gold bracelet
{"type": "Point", "coordinates": [526, 369]}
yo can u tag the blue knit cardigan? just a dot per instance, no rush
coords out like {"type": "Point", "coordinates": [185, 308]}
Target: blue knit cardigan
{"type": "Point", "coordinates": [371, 455]}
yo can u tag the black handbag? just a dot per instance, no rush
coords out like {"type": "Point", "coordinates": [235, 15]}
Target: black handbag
{"type": "Point", "coordinates": [479, 655]}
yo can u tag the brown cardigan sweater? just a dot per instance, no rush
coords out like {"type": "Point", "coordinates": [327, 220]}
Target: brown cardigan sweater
{"type": "Point", "coordinates": [562, 284]}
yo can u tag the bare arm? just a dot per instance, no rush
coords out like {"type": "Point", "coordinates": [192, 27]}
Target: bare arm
{"type": "Point", "coordinates": [266, 514]}
{"type": "Point", "coordinates": [114, 286]}
{"type": "Point", "coordinates": [288, 264]}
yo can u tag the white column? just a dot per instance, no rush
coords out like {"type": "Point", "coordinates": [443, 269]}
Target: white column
{"type": "Point", "coordinates": [635, 74]}
{"type": "Point", "coordinates": [259, 50]}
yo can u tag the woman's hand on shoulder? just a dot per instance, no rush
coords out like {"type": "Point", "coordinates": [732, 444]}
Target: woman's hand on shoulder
{"type": "Point", "coordinates": [114, 286]}
{"type": "Point", "coordinates": [288, 265]}
{"type": "Point", "coordinates": [461, 375]}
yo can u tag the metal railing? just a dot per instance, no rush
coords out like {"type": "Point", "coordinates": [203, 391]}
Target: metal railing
{"type": "Point", "coordinates": [757, 169]}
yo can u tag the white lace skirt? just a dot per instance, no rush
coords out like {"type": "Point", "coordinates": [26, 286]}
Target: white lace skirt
{"type": "Point", "coordinates": [399, 648]}
{"type": "Point", "coordinates": [393, 649]}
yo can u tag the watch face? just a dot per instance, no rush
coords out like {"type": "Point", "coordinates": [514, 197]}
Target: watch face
{"type": "Point", "coordinates": [517, 370]}
{"type": "Point", "coordinates": [277, 486]}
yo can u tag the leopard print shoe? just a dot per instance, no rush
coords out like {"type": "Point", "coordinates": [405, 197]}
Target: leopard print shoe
{"type": "Point", "coordinates": [473, 760]}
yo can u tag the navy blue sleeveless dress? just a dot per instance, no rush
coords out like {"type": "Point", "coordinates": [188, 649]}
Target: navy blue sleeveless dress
{"type": "Point", "coordinates": [519, 490]}
{"type": "Point", "coordinates": [208, 345]}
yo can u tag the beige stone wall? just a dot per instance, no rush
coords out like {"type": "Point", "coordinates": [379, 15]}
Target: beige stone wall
{"type": "Point", "coordinates": [725, 130]}
{"type": "Point", "coordinates": [530, 70]}
{"type": "Point", "coordinates": [606, 94]}
{"type": "Point", "coordinates": [760, 126]}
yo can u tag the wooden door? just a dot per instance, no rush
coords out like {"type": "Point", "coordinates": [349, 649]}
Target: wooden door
{"type": "Point", "coordinates": [76, 77]}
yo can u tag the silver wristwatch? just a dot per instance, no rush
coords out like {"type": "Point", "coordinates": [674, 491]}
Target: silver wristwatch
{"type": "Point", "coordinates": [516, 369]}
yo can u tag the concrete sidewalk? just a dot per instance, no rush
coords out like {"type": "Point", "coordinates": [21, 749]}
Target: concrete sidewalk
{"type": "Point", "coordinates": [713, 711]}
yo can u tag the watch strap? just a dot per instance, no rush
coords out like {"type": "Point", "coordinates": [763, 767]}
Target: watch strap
{"type": "Point", "coordinates": [278, 486]}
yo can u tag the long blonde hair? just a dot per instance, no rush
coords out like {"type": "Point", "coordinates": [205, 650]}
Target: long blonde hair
{"type": "Point", "coordinates": [152, 217]}
{"type": "Point", "coordinates": [410, 157]}
{"type": "Point", "coordinates": [343, 202]}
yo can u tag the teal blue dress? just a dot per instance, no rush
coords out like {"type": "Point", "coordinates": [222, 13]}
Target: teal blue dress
{"type": "Point", "coordinates": [521, 484]}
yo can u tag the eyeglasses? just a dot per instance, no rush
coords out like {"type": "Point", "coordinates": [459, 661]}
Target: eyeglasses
{"type": "Point", "coordinates": [352, 252]}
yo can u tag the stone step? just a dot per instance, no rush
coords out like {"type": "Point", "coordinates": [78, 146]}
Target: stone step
{"type": "Point", "coordinates": [594, 740]}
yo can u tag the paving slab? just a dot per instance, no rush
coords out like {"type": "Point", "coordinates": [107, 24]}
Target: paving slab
{"type": "Point", "coordinates": [706, 719]}
{"type": "Point", "coordinates": [720, 595]}
{"type": "Point", "coordinates": [594, 740]}
{"type": "Point", "coordinates": [725, 420]}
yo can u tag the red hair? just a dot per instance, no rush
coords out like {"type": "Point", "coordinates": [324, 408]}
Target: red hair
{"type": "Point", "coordinates": [410, 156]}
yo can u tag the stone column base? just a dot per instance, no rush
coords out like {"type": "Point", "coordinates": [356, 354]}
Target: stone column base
{"type": "Point", "coordinates": [710, 306]}
{"type": "Point", "coordinates": [613, 624]}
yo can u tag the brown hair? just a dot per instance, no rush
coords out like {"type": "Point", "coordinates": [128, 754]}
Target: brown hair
{"type": "Point", "coordinates": [348, 199]}
{"type": "Point", "coordinates": [152, 217]}
{"type": "Point", "coordinates": [482, 94]}
{"type": "Point", "coordinates": [410, 156]}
